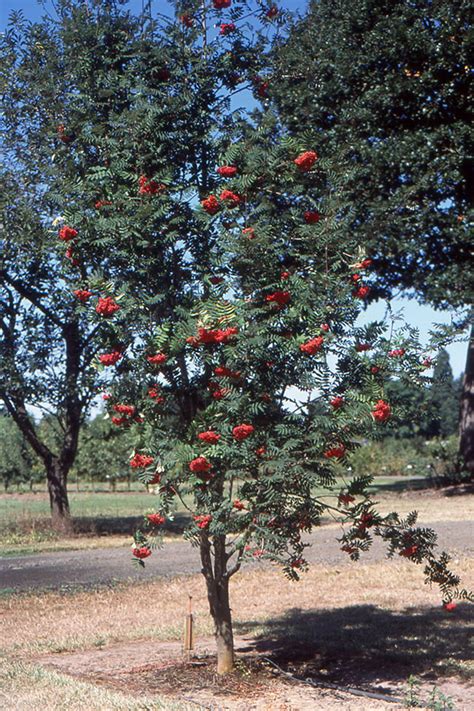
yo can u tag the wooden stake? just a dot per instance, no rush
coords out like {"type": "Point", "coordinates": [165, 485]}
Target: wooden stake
{"type": "Point", "coordinates": [188, 629]}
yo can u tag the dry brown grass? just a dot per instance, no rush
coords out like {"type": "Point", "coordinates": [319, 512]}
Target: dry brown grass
{"type": "Point", "coordinates": [432, 505]}
{"type": "Point", "coordinates": [76, 543]}
{"type": "Point", "coordinates": [352, 625]}
{"type": "Point", "coordinates": [29, 545]}
{"type": "Point", "coordinates": [52, 621]}
{"type": "Point", "coordinates": [357, 624]}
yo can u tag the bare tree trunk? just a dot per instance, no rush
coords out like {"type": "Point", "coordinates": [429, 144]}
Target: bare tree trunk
{"type": "Point", "coordinates": [221, 614]}
{"type": "Point", "coordinates": [217, 582]}
{"type": "Point", "coordinates": [466, 425]}
{"type": "Point", "coordinates": [58, 498]}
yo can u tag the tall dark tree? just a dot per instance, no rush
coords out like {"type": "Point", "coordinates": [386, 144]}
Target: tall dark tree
{"type": "Point", "coordinates": [413, 408]}
{"type": "Point", "coordinates": [466, 422]}
{"type": "Point", "coordinates": [389, 84]}
{"type": "Point", "coordinates": [443, 399]}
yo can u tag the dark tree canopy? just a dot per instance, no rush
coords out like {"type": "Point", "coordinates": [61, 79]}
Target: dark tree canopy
{"type": "Point", "coordinates": [431, 411]}
{"type": "Point", "coordinates": [16, 461]}
{"type": "Point", "coordinates": [390, 83]}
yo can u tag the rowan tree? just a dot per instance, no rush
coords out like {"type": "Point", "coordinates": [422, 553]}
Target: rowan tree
{"type": "Point", "coordinates": [226, 305]}
{"type": "Point", "coordinates": [387, 88]}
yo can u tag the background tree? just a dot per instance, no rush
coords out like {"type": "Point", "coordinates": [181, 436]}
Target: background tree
{"type": "Point", "coordinates": [73, 71]}
{"type": "Point", "coordinates": [16, 460]}
{"type": "Point", "coordinates": [443, 401]}
{"type": "Point", "coordinates": [431, 411]}
{"type": "Point", "coordinates": [103, 452]}
{"type": "Point", "coordinates": [412, 408]}
{"type": "Point", "coordinates": [389, 84]}
{"type": "Point", "coordinates": [44, 352]}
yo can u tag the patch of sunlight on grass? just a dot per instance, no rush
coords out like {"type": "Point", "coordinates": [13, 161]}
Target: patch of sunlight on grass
{"type": "Point", "coordinates": [25, 686]}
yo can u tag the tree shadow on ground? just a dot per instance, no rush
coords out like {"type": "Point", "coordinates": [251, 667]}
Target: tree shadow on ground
{"type": "Point", "coordinates": [126, 525]}
{"type": "Point", "coordinates": [406, 485]}
{"type": "Point", "coordinates": [363, 645]}
{"type": "Point", "coordinates": [419, 484]}
{"type": "Point", "coordinates": [464, 489]}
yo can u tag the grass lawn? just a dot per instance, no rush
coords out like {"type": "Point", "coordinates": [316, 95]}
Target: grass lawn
{"type": "Point", "coordinates": [14, 507]}
{"type": "Point", "coordinates": [105, 519]}
{"type": "Point", "coordinates": [101, 519]}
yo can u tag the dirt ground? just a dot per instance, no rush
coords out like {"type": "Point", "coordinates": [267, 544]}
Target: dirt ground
{"type": "Point", "coordinates": [258, 683]}
{"type": "Point", "coordinates": [162, 669]}
{"type": "Point", "coordinates": [344, 633]}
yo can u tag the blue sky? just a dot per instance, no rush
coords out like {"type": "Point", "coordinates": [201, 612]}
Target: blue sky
{"type": "Point", "coordinates": [421, 317]}
{"type": "Point", "coordinates": [33, 10]}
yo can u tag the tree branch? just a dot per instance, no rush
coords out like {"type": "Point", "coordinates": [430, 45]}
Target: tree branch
{"type": "Point", "coordinates": [16, 408]}
{"type": "Point", "coordinates": [32, 296]}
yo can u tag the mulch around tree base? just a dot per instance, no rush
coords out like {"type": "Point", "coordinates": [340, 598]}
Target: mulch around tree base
{"type": "Point", "coordinates": [159, 669]}
{"type": "Point", "coordinates": [162, 668]}
{"type": "Point", "coordinates": [183, 679]}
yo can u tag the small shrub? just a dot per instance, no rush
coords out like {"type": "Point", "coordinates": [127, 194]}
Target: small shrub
{"type": "Point", "coordinates": [436, 700]}
{"type": "Point", "coordinates": [445, 462]}
{"type": "Point", "coordinates": [390, 457]}
{"type": "Point", "coordinates": [437, 460]}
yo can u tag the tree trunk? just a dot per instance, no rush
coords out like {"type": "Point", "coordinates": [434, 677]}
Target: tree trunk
{"type": "Point", "coordinates": [218, 596]}
{"type": "Point", "coordinates": [58, 498]}
{"type": "Point", "coordinates": [217, 582]}
{"type": "Point", "coordinates": [221, 614]}
{"type": "Point", "coordinates": [466, 425]}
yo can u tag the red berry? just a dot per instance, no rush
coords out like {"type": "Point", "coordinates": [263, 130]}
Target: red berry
{"type": "Point", "coordinates": [241, 432]}
{"type": "Point", "coordinates": [141, 552]}
{"type": "Point", "coordinates": [449, 606]}
{"type": "Point", "coordinates": [209, 437]}
{"type": "Point", "coordinates": [306, 160]}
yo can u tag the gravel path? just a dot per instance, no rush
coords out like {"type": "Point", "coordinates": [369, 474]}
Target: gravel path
{"type": "Point", "coordinates": [108, 565]}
